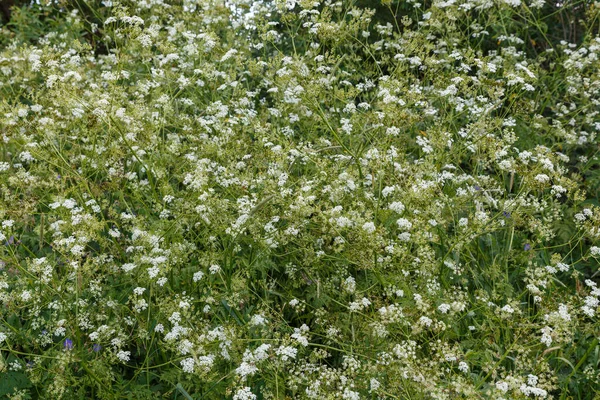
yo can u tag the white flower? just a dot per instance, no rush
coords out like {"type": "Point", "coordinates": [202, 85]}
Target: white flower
{"type": "Point", "coordinates": [123, 355]}
{"type": "Point", "coordinates": [595, 250]}
{"type": "Point", "coordinates": [198, 275]}
{"type": "Point", "coordinates": [546, 338]}
{"type": "Point", "coordinates": [404, 236]}
{"type": "Point", "coordinates": [184, 304]}
{"type": "Point", "coordinates": [397, 207]}
{"type": "Point", "coordinates": [298, 335]}
{"type": "Point", "coordinates": [246, 369]}
{"type": "Point", "coordinates": [369, 227]}
{"type": "Point", "coordinates": [286, 352]}
{"type": "Point", "coordinates": [206, 362]}
{"type": "Point", "coordinates": [375, 384]}
{"type": "Point", "coordinates": [392, 131]}
{"type": "Point", "coordinates": [403, 223]}
{"type": "Point", "coordinates": [175, 318]}
{"type": "Point", "coordinates": [444, 308]}
{"type": "Point", "coordinates": [244, 394]}
{"type": "Point", "coordinates": [187, 365]}
{"type": "Point", "coordinates": [349, 284]}
{"type": "Point", "coordinates": [563, 312]}
{"type": "Point", "coordinates": [562, 267]}
{"type": "Point", "coordinates": [513, 3]}
{"type": "Point", "coordinates": [261, 352]}
{"type": "Point", "coordinates": [69, 203]}
{"type": "Point", "coordinates": [139, 291]}
{"type": "Point", "coordinates": [542, 178]}
{"type": "Point", "coordinates": [128, 267]}
{"type": "Point", "coordinates": [508, 309]}
{"type": "Point", "coordinates": [257, 320]}
{"type": "Point", "coordinates": [350, 394]}
{"type": "Point", "coordinates": [463, 367]}
{"type": "Point", "coordinates": [502, 386]}
{"type": "Point", "coordinates": [290, 4]}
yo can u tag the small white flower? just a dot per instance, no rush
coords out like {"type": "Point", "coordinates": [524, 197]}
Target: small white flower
{"type": "Point", "coordinates": [403, 223]}
{"type": "Point", "coordinates": [161, 281]}
{"type": "Point", "coordinates": [350, 394]}
{"type": "Point", "coordinates": [369, 227]}
{"type": "Point", "coordinates": [397, 207]}
{"type": "Point", "coordinates": [26, 295]}
{"type": "Point", "coordinates": [187, 365]}
{"type": "Point", "coordinates": [375, 384]}
{"type": "Point", "coordinates": [198, 276]}
{"type": "Point", "coordinates": [128, 267]}
{"type": "Point", "coordinates": [139, 290]}
{"type": "Point", "coordinates": [246, 369]}
{"type": "Point", "coordinates": [257, 320]}
{"type": "Point", "coordinates": [542, 178]}
{"type": "Point", "coordinates": [349, 284]}
{"type": "Point", "coordinates": [123, 355]}
{"type": "Point", "coordinates": [404, 236]}
{"type": "Point", "coordinates": [508, 309]}
{"type": "Point", "coordinates": [502, 386]}
{"type": "Point", "coordinates": [546, 338]}
{"type": "Point", "coordinates": [286, 352]}
{"type": "Point", "coordinates": [444, 308]}
{"type": "Point", "coordinates": [244, 394]}
{"type": "Point", "coordinates": [562, 267]}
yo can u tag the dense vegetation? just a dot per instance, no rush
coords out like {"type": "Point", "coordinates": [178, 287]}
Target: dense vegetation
{"type": "Point", "coordinates": [210, 199]}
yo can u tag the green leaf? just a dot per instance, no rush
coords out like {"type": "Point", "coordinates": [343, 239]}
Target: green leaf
{"type": "Point", "coordinates": [12, 381]}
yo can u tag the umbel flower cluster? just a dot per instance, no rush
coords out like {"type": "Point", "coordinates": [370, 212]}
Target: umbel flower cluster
{"type": "Point", "coordinates": [212, 199]}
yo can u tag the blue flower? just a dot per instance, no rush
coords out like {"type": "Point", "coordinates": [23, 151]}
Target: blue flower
{"type": "Point", "coordinates": [96, 347]}
{"type": "Point", "coordinates": [68, 344]}
{"type": "Point", "coordinates": [527, 247]}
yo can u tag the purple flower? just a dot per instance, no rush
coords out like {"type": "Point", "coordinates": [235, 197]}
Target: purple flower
{"type": "Point", "coordinates": [477, 187]}
{"type": "Point", "coordinates": [506, 214]}
{"type": "Point", "coordinates": [68, 344]}
{"type": "Point", "coordinates": [527, 247]}
{"type": "Point", "coordinates": [96, 347]}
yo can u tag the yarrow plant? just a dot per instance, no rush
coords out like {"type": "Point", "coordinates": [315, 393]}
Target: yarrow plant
{"type": "Point", "coordinates": [300, 199]}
